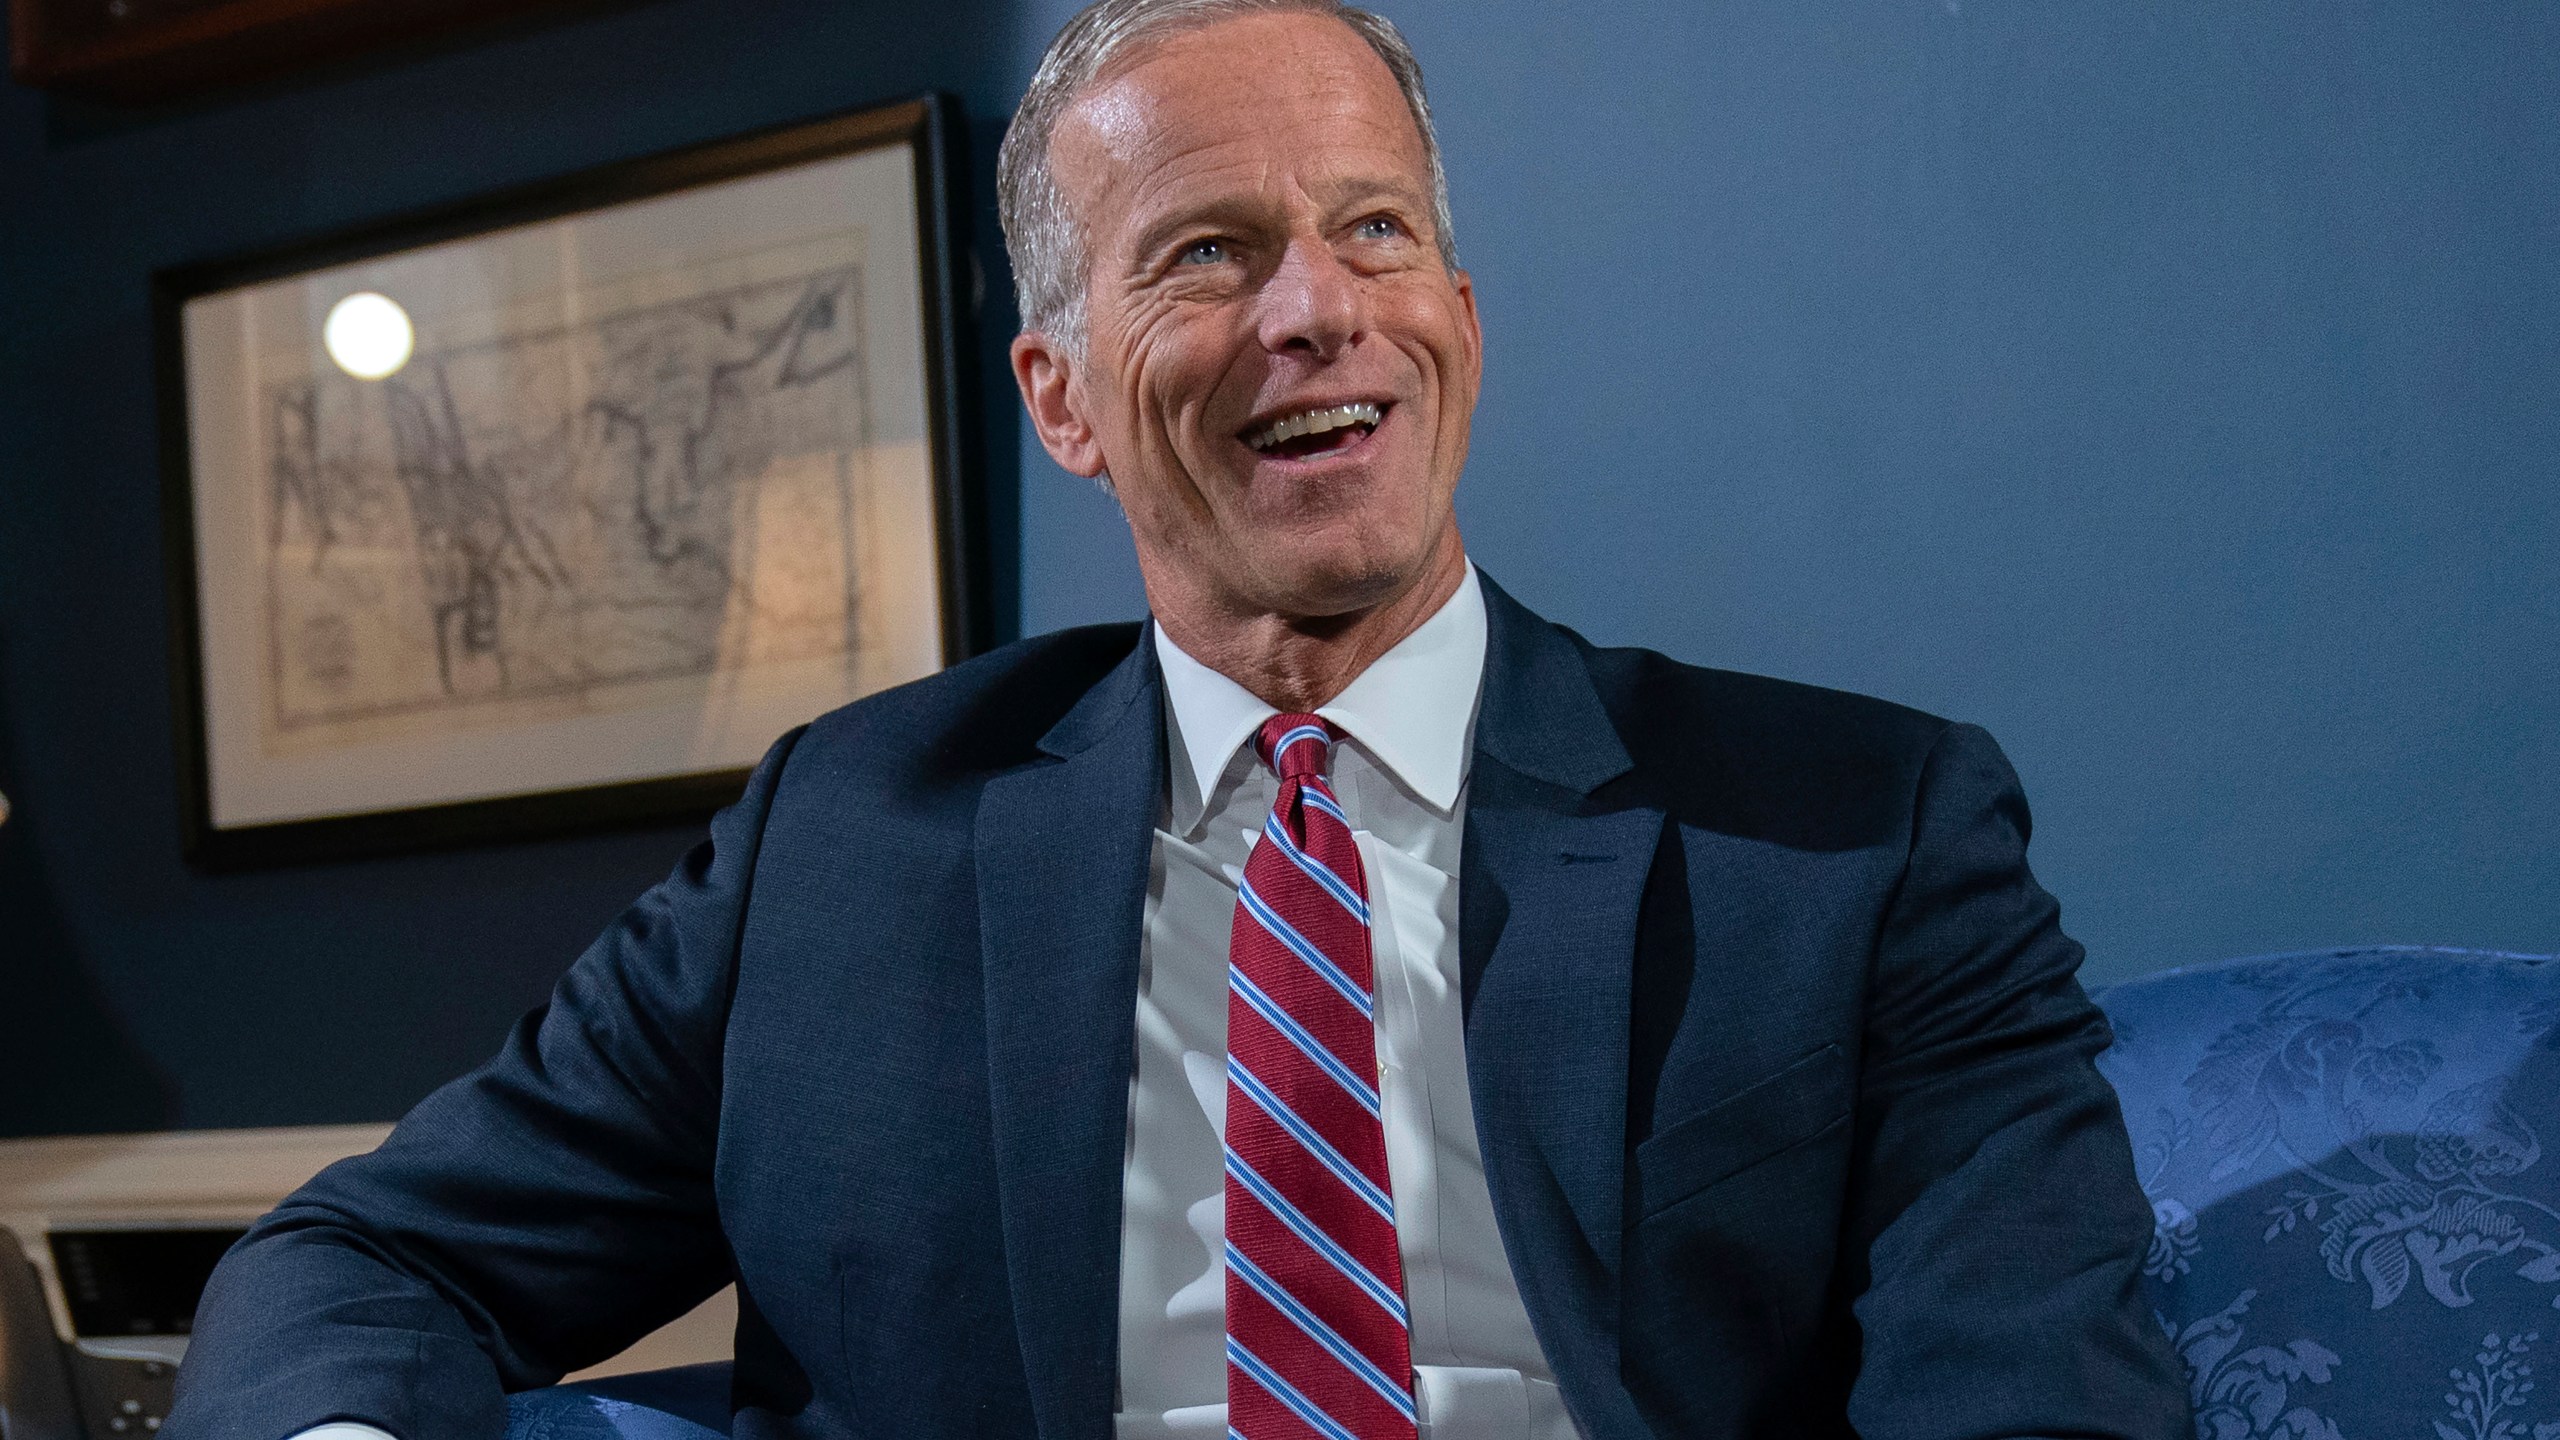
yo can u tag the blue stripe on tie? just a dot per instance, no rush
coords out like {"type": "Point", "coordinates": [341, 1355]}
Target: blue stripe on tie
{"type": "Point", "coordinates": [1316, 869]}
{"type": "Point", "coordinates": [1318, 1241]}
{"type": "Point", "coordinates": [1292, 737]}
{"type": "Point", "coordinates": [1316, 1145]}
{"type": "Point", "coordinates": [1298, 1035]}
{"type": "Point", "coordinates": [1286, 1393]}
{"type": "Point", "coordinates": [1318, 1331]}
{"type": "Point", "coordinates": [1324, 802]}
{"type": "Point", "coordinates": [1305, 949]}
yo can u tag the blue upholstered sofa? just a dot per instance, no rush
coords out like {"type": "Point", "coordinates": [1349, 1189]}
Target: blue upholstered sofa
{"type": "Point", "coordinates": [2355, 1233]}
{"type": "Point", "coordinates": [690, 1403]}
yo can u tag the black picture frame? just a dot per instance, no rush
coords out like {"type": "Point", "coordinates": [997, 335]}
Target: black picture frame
{"type": "Point", "coordinates": [930, 126]}
{"type": "Point", "coordinates": [146, 52]}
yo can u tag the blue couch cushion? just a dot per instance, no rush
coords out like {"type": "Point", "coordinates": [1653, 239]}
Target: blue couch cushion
{"type": "Point", "coordinates": [687, 1403]}
{"type": "Point", "coordinates": [2357, 1233]}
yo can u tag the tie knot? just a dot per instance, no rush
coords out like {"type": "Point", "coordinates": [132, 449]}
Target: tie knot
{"type": "Point", "coordinates": [1296, 747]}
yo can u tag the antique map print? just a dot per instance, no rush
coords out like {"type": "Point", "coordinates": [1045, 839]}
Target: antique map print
{"type": "Point", "coordinates": [549, 518]}
{"type": "Point", "coordinates": [628, 494]}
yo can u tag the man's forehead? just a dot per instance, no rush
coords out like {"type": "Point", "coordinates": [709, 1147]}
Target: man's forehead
{"type": "Point", "coordinates": [1234, 81]}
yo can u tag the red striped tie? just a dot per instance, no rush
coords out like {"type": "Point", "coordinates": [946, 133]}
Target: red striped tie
{"type": "Point", "coordinates": [1316, 1340]}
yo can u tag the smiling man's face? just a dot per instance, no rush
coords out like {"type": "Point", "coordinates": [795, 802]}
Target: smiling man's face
{"type": "Point", "coordinates": [1279, 371]}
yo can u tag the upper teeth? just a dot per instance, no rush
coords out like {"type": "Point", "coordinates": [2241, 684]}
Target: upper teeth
{"type": "Point", "coordinates": [1312, 422]}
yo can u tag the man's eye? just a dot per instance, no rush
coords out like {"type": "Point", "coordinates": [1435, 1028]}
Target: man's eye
{"type": "Point", "coordinates": [1203, 252]}
{"type": "Point", "coordinates": [1378, 227]}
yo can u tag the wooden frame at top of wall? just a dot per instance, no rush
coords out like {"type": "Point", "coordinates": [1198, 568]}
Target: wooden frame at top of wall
{"type": "Point", "coordinates": [138, 52]}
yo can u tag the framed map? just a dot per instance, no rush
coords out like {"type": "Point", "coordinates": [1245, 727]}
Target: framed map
{"type": "Point", "coordinates": [556, 509]}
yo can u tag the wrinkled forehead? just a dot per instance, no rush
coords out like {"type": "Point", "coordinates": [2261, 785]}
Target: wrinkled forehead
{"type": "Point", "coordinates": [1236, 101]}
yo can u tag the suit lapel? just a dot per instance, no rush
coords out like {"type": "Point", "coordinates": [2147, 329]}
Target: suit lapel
{"type": "Point", "coordinates": [1062, 848]}
{"type": "Point", "coordinates": [1552, 878]}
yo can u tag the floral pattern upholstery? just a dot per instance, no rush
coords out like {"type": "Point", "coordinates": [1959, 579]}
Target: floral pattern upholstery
{"type": "Point", "coordinates": [2356, 1232]}
{"type": "Point", "coordinates": [690, 1402]}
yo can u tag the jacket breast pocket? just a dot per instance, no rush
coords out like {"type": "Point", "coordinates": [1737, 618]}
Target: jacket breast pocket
{"type": "Point", "coordinates": [1796, 1104]}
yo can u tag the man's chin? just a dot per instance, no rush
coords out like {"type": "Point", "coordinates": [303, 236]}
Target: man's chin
{"type": "Point", "coordinates": [1323, 588]}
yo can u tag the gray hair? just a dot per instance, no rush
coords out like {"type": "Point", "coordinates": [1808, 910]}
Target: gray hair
{"type": "Point", "coordinates": [1040, 230]}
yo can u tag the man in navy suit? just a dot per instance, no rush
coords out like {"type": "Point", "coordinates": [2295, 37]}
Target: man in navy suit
{"type": "Point", "coordinates": [1731, 1075]}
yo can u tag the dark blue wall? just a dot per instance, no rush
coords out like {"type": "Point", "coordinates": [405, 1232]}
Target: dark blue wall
{"type": "Point", "coordinates": [2172, 389]}
{"type": "Point", "coordinates": [132, 993]}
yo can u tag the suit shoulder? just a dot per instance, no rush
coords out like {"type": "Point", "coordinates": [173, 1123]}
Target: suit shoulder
{"type": "Point", "coordinates": [981, 715]}
{"type": "Point", "coordinates": [1751, 708]}
{"type": "Point", "coordinates": [1778, 756]}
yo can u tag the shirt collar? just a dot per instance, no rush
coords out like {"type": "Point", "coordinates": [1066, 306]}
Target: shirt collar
{"type": "Point", "coordinates": [1413, 710]}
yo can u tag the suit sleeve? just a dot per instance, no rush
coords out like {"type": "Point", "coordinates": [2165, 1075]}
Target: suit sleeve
{"type": "Point", "coordinates": [1994, 1202]}
{"type": "Point", "coordinates": [531, 1218]}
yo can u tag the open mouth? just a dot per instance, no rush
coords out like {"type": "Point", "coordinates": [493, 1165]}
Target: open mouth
{"type": "Point", "coordinates": [1309, 433]}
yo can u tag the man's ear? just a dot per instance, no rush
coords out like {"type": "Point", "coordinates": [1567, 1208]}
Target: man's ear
{"type": "Point", "coordinates": [1475, 326]}
{"type": "Point", "coordinates": [1045, 373]}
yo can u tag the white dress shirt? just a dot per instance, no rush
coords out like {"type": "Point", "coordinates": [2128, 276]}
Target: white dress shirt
{"type": "Point", "coordinates": [1402, 778]}
{"type": "Point", "coordinates": [1401, 775]}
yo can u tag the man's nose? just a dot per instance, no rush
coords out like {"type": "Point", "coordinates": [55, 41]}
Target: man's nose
{"type": "Point", "coordinates": [1311, 304]}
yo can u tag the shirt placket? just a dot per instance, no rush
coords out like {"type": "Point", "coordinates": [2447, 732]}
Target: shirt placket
{"type": "Point", "coordinates": [1404, 1075]}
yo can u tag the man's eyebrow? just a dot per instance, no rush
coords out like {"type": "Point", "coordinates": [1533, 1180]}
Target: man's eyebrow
{"type": "Point", "coordinates": [1234, 212]}
{"type": "Point", "coordinates": [1358, 191]}
{"type": "Point", "coordinates": [1229, 212]}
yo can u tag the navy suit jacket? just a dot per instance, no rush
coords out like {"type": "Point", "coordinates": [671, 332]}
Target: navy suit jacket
{"type": "Point", "coordinates": [1780, 1069]}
